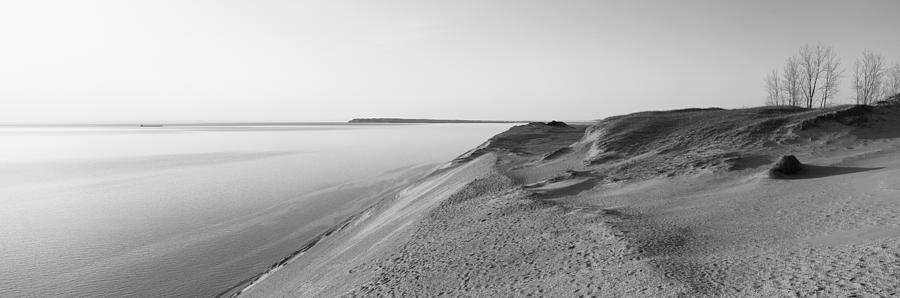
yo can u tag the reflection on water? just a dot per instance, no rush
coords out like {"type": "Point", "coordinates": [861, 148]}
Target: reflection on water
{"type": "Point", "coordinates": [114, 211]}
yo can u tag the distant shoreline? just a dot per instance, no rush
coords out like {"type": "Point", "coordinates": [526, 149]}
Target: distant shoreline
{"type": "Point", "coordinates": [403, 120]}
{"type": "Point", "coordinates": [191, 124]}
{"type": "Point", "coordinates": [164, 124]}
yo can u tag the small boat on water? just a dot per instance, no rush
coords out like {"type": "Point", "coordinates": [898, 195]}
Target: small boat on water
{"type": "Point", "coordinates": [151, 125]}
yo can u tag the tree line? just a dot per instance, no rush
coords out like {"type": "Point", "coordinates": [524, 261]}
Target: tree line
{"type": "Point", "coordinates": [812, 78]}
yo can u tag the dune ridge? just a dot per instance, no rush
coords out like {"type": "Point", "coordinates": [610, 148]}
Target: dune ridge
{"type": "Point", "coordinates": [668, 203]}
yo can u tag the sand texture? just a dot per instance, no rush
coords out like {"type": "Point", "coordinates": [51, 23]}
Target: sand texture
{"type": "Point", "coordinates": [673, 203]}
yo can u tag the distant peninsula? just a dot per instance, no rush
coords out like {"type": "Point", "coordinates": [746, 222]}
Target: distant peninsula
{"type": "Point", "coordinates": [402, 120]}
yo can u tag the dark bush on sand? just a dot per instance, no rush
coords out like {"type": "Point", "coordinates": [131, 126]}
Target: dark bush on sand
{"type": "Point", "coordinates": [891, 100]}
{"type": "Point", "coordinates": [557, 123]}
{"type": "Point", "coordinates": [786, 165]}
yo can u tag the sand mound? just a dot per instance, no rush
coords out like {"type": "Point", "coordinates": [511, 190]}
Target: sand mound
{"type": "Point", "coordinates": [535, 138]}
{"type": "Point", "coordinates": [697, 140]}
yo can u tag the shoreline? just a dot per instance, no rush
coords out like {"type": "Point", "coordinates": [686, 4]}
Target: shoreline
{"type": "Point", "coordinates": [250, 282]}
{"type": "Point", "coordinates": [393, 218]}
{"type": "Point", "coordinates": [239, 288]}
{"type": "Point", "coordinates": [427, 121]}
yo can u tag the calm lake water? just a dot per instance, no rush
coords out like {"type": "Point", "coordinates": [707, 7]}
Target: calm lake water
{"type": "Point", "coordinates": [190, 211]}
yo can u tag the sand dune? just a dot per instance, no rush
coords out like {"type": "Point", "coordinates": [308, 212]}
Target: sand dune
{"type": "Point", "coordinates": [666, 203]}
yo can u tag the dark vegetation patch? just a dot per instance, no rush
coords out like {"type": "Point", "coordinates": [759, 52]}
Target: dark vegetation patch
{"type": "Point", "coordinates": [854, 116]}
{"type": "Point", "coordinates": [785, 166]}
{"type": "Point", "coordinates": [557, 123]}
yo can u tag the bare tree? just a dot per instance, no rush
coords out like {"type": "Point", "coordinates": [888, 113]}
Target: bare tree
{"type": "Point", "coordinates": [812, 71]}
{"type": "Point", "coordinates": [791, 81]}
{"type": "Point", "coordinates": [868, 73]}
{"type": "Point", "coordinates": [809, 78]}
{"type": "Point", "coordinates": [891, 84]}
{"type": "Point", "coordinates": [774, 89]}
{"type": "Point", "coordinates": [832, 77]}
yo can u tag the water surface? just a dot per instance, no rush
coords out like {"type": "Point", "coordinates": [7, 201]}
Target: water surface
{"type": "Point", "coordinates": [191, 210]}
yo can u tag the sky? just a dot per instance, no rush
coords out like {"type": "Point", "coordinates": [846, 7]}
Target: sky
{"type": "Point", "coordinates": [275, 60]}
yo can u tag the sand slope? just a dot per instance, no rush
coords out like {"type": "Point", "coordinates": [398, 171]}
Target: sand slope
{"type": "Point", "coordinates": [328, 268]}
{"type": "Point", "coordinates": [672, 203]}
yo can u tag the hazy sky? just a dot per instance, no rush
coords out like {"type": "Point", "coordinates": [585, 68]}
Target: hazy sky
{"type": "Point", "coordinates": [273, 60]}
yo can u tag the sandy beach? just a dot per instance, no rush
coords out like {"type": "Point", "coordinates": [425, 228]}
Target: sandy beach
{"type": "Point", "coordinates": [673, 203]}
